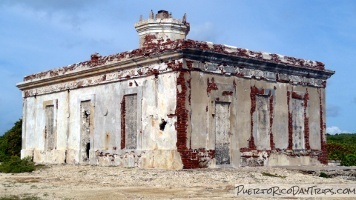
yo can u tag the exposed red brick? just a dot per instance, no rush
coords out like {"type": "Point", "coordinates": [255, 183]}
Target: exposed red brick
{"type": "Point", "coordinates": [182, 118]}
{"type": "Point", "coordinates": [242, 52]}
{"type": "Point", "coordinates": [190, 157]}
{"type": "Point", "coordinates": [271, 109]}
{"type": "Point", "coordinates": [254, 91]}
{"type": "Point", "coordinates": [171, 115]}
{"type": "Point", "coordinates": [123, 123]}
{"type": "Point", "coordinates": [152, 45]}
{"type": "Point", "coordinates": [305, 98]}
{"type": "Point", "coordinates": [149, 39]}
{"type": "Point", "coordinates": [227, 93]}
{"type": "Point", "coordinates": [323, 157]}
{"type": "Point", "coordinates": [190, 91]}
{"type": "Point", "coordinates": [275, 58]}
{"type": "Point", "coordinates": [189, 64]}
{"type": "Point", "coordinates": [251, 141]}
{"type": "Point", "coordinates": [290, 122]}
{"type": "Point", "coordinates": [239, 74]}
{"type": "Point", "coordinates": [297, 96]}
{"type": "Point", "coordinates": [306, 120]}
{"type": "Point", "coordinates": [211, 85]}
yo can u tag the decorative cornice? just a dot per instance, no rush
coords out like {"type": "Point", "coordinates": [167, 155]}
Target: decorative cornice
{"type": "Point", "coordinates": [87, 69]}
{"type": "Point", "coordinates": [227, 57]}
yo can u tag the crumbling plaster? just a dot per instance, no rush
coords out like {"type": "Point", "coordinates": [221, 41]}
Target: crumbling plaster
{"type": "Point", "coordinates": [157, 103]}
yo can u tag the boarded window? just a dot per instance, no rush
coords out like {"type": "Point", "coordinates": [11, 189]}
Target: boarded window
{"type": "Point", "coordinates": [298, 123]}
{"type": "Point", "coordinates": [85, 130]}
{"type": "Point", "coordinates": [222, 133]}
{"type": "Point", "coordinates": [262, 123]}
{"type": "Point", "coordinates": [50, 143]}
{"type": "Point", "coordinates": [129, 122]}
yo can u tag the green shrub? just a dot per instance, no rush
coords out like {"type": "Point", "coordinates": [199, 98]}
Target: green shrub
{"type": "Point", "coordinates": [16, 165]}
{"type": "Point", "coordinates": [10, 142]}
{"type": "Point", "coordinates": [324, 175]}
{"type": "Point", "coordinates": [349, 160]}
{"type": "Point", "coordinates": [342, 147]}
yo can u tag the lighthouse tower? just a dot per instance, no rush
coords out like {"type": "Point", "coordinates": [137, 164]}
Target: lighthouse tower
{"type": "Point", "coordinates": [161, 28]}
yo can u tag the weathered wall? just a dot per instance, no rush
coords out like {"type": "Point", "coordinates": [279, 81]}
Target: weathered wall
{"type": "Point", "coordinates": [177, 116]}
{"type": "Point", "coordinates": [156, 98]}
{"type": "Point", "coordinates": [261, 118]}
{"type": "Point", "coordinates": [34, 133]}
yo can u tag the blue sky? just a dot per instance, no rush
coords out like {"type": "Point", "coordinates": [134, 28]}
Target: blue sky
{"type": "Point", "coordinates": [37, 35]}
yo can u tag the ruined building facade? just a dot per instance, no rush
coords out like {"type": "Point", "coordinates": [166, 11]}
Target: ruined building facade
{"type": "Point", "coordinates": [177, 103]}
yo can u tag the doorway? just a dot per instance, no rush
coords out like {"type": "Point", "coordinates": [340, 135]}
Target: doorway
{"type": "Point", "coordinates": [222, 133]}
{"type": "Point", "coordinates": [85, 130]}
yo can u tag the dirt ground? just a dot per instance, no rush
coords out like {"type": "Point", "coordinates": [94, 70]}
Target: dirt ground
{"type": "Point", "coordinates": [94, 182]}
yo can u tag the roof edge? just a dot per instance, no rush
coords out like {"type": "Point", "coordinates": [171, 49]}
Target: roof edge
{"type": "Point", "coordinates": [164, 46]}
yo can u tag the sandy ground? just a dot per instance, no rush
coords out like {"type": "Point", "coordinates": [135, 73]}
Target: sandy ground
{"type": "Point", "coordinates": [94, 182]}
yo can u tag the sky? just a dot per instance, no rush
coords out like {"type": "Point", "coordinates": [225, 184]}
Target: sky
{"type": "Point", "coordinates": [38, 35]}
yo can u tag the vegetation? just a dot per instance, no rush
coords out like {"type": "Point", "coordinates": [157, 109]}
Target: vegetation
{"type": "Point", "coordinates": [324, 175]}
{"type": "Point", "coordinates": [272, 175]}
{"type": "Point", "coordinates": [342, 147]}
{"type": "Point", "coordinates": [16, 165]}
{"type": "Point", "coordinates": [13, 197]}
{"type": "Point", "coordinates": [10, 142]}
{"type": "Point", "coordinates": [10, 149]}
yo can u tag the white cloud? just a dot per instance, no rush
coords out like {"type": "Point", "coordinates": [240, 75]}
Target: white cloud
{"type": "Point", "coordinates": [203, 32]}
{"type": "Point", "coordinates": [56, 13]}
{"type": "Point", "coordinates": [332, 110]}
{"type": "Point", "coordinates": [334, 130]}
{"type": "Point", "coordinates": [51, 5]}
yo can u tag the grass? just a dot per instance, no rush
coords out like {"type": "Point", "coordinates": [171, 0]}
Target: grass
{"type": "Point", "coordinates": [13, 197]}
{"type": "Point", "coordinates": [324, 175]}
{"type": "Point", "coordinates": [41, 166]}
{"type": "Point", "coordinates": [272, 175]}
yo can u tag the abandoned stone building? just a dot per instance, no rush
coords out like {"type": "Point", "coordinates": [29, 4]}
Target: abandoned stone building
{"type": "Point", "coordinates": [177, 103]}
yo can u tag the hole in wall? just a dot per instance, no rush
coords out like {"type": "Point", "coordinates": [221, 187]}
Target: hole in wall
{"type": "Point", "coordinates": [87, 149]}
{"type": "Point", "coordinates": [65, 156]}
{"type": "Point", "coordinates": [86, 113]}
{"type": "Point", "coordinates": [162, 125]}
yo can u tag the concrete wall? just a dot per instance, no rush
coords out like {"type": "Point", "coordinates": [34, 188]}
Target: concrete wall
{"type": "Point", "coordinates": [253, 143]}
{"type": "Point", "coordinates": [156, 98]}
{"type": "Point", "coordinates": [189, 113]}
